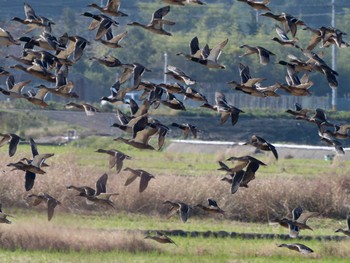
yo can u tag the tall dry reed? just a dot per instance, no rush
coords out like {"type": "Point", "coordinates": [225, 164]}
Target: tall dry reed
{"type": "Point", "coordinates": [266, 196]}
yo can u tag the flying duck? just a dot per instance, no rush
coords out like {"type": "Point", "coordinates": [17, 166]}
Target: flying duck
{"type": "Point", "coordinates": [157, 22]}
{"type": "Point", "coordinates": [50, 201]}
{"type": "Point", "coordinates": [145, 177]}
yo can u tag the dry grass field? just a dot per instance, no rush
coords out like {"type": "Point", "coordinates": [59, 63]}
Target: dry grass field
{"type": "Point", "coordinates": [80, 229]}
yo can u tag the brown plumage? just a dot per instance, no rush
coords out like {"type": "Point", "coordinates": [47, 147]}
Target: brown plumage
{"type": "Point", "coordinates": [298, 247]}
{"type": "Point", "coordinates": [225, 109]}
{"type": "Point", "coordinates": [102, 22]}
{"type": "Point", "coordinates": [179, 75]}
{"type": "Point", "coordinates": [113, 41]}
{"type": "Point", "coordinates": [206, 56]}
{"type": "Point", "coordinates": [14, 90]}
{"type": "Point", "coordinates": [187, 129]}
{"type": "Point", "coordinates": [38, 97]}
{"type": "Point", "coordinates": [297, 222]}
{"type": "Point", "coordinates": [134, 143]}
{"type": "Point", "coordinates": [194, 95]}
{"type": "Point", "coordinates": [6, 39]}
{"type": "Point", "coordinates": [173, 88]}
{"type": "Point", "coordinates": [142, 130]}
{"type": "Point", "coordinates": [263, 53]}
{"type": "Point", "coordinates": [145, 177]}
{"type": "Point", "coordinates": [173, 103]}
{"type": "Point", "coordinates": [50, 201]}
{"type": "Point", "coordinates": [116, 158]}
{"type": "Point", "coordinates": [283, 38]}
{"type": "Point", "coordinates": [157, 22]}
{"type": "Point", "coordinates": [34, 166]}
{"type": "Point", "coordinates": [289, 22]}
{"type": "Point", "coordinates": [212, 207]}
{"type": "Point", "coordinates": [180, 207]}
{"type": "Point", "coordinates": [299, 112]}
{"type": "Point", "coordinates": [160, 238]}
{"type": "Point", "coordinates": [111, 8]}
{"type": "Point", "coordinates": [241, 178]}
{"type": "Point", "coordinates": [36, 71]}
{"type": "Point", "coordinates": [89, 109]}
{"type": "Point", "coordinates": [34, 21]}
{"type": "Point", "coordinates": [13, 140]}
{"type": "Point", "coordinates": [262, 144]}
{"type": "Point", "coordinates": [341, 131]}
{"type": "Point", "coordinates": [108, 61]}
{"type": "Point", "coordinates": [250, 85]}
{"type": "Point", "coordinates": [98, 195]}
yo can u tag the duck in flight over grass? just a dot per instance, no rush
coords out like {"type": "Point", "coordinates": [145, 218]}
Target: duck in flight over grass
{"type": "Point", "coordinates": [297, 222]}
{"type": "Point", "coordinates": [178, 207]}
{"type": "Point", "coordinates": [50, 201]}
{"type": "Point", "coordinates": [98, 195]}
{"type": "Point", "coordinates": [160, 238]}
{"type": "Point", "coordinates": [212, 207]}
{"type": "Point", "coordinates": [145, 177]}
{"type": "Point", "coordinates": [116, 158]}
{"type": "Point", "coordinates": [262, 144]}
{"type": "Point", "coordinates": [13, 140]}
{"type": "Point", "coordinates": [298, 247]}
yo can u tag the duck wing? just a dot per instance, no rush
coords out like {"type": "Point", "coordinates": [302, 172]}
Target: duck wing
{"type": "Point", "coordinates": [160, 13]}
{"type": "Point", "coordinates": [101, 184]}
{"type": "Point", "coordinates": [184, 210]}
{"type": "Point", "coordinates": [113, 5]}
{"type": "Point", "coordinates": [133, 175]}
{"type": "Point", "coordinates": [51, 204]}
{"type": "Point", "coordinates": [30, 13]}
{"type": "Point", "coordinates": [145, 178]}
{"type": "Point", "coordinates": [216, 51]}
{"type": "Point", "coordinates": [194, 47]}
{"type": "Point", "coordinates": [40, 158]}
{"type": "Point", "coordinates": [272, 149]}
{"type": "Point", "coordinates": [112, 160]}
{"type": "Point", "coordinates": [296, 212]}
{"type": "Point", "coordinates": [29, 180]}
{"type": "Point", "coordinates": [14, 141]}
{"type": "Point", "coordinates": [33, 147]}
{"type": "Point", "coordinates": [236, 181]}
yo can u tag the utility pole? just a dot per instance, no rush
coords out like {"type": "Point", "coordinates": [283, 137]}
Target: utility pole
{"type": "Point", "coordinates": [165, 66]}
{"type": "Point", "coordinates": [334, 61]}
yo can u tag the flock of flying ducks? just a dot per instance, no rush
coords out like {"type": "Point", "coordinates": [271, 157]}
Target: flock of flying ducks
{"type": "Point", "coordinates": [51, 63]}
